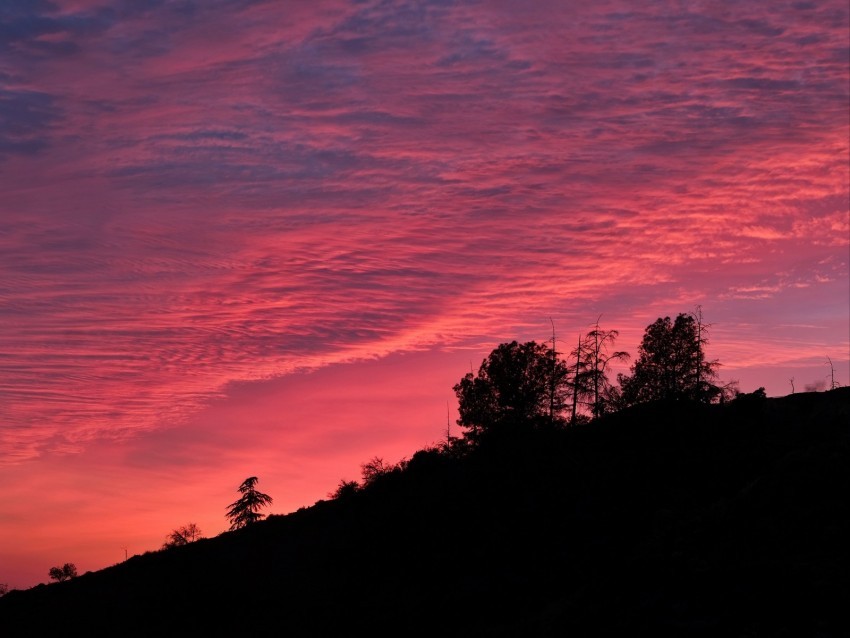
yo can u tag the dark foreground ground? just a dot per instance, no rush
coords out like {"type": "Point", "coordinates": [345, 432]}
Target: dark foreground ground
{"type": "Point", "coordinates": [662, 520]}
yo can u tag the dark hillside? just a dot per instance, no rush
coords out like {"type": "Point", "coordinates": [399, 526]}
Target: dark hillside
{"type": "Point", "coordinates": [667, 519]}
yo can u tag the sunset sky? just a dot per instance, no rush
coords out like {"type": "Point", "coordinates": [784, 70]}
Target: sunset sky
{"type": "Point", "coordinates": [263, 238]}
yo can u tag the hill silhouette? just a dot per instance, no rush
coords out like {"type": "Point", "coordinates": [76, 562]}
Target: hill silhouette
{"type": "Point", "coordinates": [665, 519]}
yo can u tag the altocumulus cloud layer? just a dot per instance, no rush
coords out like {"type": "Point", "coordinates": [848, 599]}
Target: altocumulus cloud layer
{"type": "Point", "coordinates": [202, 193]}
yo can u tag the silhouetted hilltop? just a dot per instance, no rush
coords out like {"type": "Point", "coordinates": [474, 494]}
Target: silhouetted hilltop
{"type": "Point", "coordinates": [665, 519]}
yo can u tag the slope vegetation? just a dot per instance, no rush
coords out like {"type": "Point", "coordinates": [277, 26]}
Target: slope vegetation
{"type": "Point", "coordinates": [667, 519]}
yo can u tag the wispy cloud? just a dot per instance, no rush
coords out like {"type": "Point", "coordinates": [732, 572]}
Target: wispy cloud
{"type": "Point", "coordinates": [197, 194]}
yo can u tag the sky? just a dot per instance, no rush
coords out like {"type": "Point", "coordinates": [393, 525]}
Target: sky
{"type": "Point", "coordinates": [256, 238]}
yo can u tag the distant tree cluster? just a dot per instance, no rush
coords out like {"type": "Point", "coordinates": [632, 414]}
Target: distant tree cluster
{"type": "Point", "coordinates": [527, 385]}
{"type": "Point", "coordinates": [521, 387]}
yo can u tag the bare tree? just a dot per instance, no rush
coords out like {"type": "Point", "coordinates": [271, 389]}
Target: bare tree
{"type": "Point", "coordinates": [701, 340]}
{"type": "Point", "coordinates": [553, 378]}
{"type": "Point", "coordinates": [182, 536]}
{"type": "Point", "coordinates": [832, 383]}
{"type": "Point", "coordinates": [595, 347]}
{"type": "Point", "coordinates": [374, 468]}
{"type": "Point", "coordinates": [578, 376]}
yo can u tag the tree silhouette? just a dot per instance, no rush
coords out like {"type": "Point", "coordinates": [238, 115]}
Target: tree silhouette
{"type": "Point", "coordinates": [344, 489]}
{"type": "Point", "coordinates": [832, 382]}
{"type": "Point", "coordinates": [577, 385]}
{"type": "Point", "coordinates": [592, 359]}
{"type": "Point", "coordinates": [671, 363]}
{"type": "Point", "coordinates": [182, 536]}
{"type": "Point", "coordinates": [246, 509]}
{"type": "Point", "coordinates": [517, 384]}
{"type": "Point", "coordinates": [374, 469]}
{"type": "Point", "coordinates": [66, 572]}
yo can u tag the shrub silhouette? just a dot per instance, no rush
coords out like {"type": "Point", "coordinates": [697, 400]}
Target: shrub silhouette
{"type": "Point", "coordinates": [182, 536]}
{"type": "Point", "coordinates": [344, 489]}
{"type": "Point", "coordinates": [66, 572]}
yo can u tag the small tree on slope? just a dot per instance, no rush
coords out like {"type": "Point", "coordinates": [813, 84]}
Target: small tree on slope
{"type": "Point", "coordinates": [66, 572]}
{"type": "Point", "coordinates": [246, 510]}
